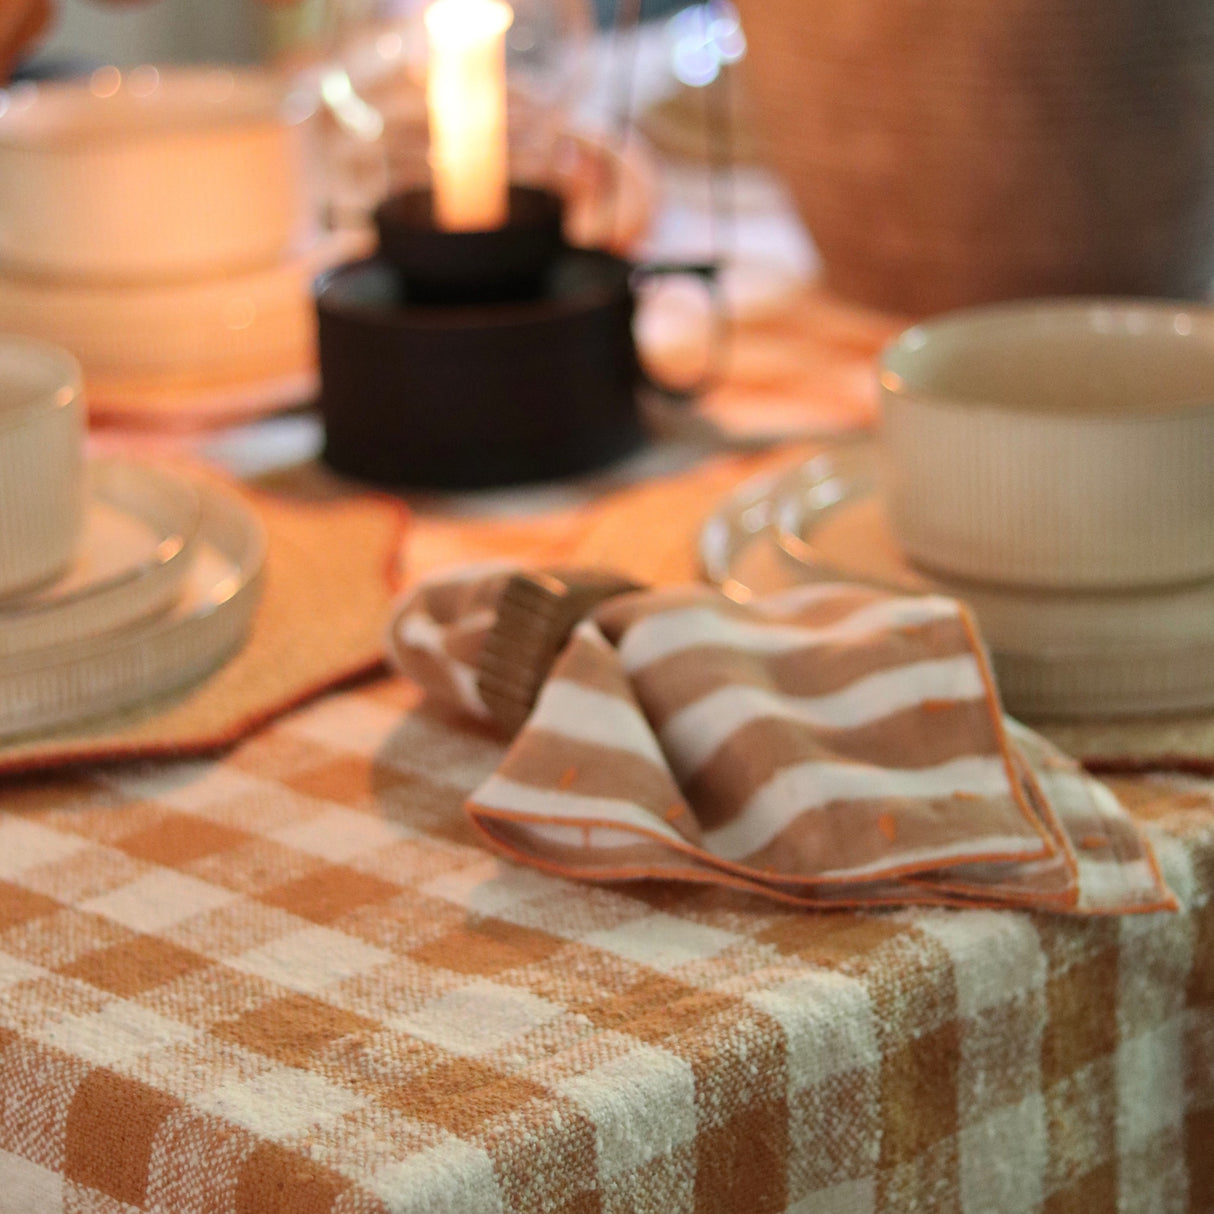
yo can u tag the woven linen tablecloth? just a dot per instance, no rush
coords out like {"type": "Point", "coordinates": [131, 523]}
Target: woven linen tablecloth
{"type": "Point", "coordinates": [292, 981]}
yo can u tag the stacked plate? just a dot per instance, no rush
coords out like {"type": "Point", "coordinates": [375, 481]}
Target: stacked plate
{"type": "Point", "coordinates": [120, 582]}
{"type": "Point", "coordinates": [1048, 463]}
{"type": "Point", "coordinates": [156, 223]}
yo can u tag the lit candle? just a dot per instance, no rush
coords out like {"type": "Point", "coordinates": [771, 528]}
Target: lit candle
{"type": "Point", "coordinates": [466, 101]}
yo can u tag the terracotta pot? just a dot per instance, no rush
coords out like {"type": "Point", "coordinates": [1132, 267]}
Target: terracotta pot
{"type": "Point", "coordinates": [951, 152]}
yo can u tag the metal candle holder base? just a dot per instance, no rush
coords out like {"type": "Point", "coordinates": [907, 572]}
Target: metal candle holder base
{"type": "Point", "coordinates": [465, 360]}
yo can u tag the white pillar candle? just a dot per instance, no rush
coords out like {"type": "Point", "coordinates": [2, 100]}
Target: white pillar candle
{"type": "Point", "coordinates": [466, 102]}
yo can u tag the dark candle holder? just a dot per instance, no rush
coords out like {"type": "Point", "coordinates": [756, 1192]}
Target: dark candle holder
{"type": "Point", "coordinates": [507, 263]}
{"type": "Point", "coordinates": [463, 360]}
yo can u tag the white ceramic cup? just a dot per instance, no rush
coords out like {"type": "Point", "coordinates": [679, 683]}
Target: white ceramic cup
{"type": "Point", "coordinates": [1065, 444]}
{"type": "Point", "coordinates": [150, 175]}
{"type": "Point", "coordinates": [42, 423]}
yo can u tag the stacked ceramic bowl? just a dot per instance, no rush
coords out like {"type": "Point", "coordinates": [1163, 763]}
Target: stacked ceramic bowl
{"type": "Point", "coordinates": [155, 223]}
{"type": "Point", "coordinates": [1052, 463]}
{"type": "Point", "coordinates": [119, 581]}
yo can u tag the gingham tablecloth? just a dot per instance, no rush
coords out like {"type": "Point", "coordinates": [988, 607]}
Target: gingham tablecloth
{"type": "Point", "coordinates": [292, 981]}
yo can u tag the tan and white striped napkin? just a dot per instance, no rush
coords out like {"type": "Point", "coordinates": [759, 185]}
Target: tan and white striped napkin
{"type": "Point", "coordinates": [831, 746]}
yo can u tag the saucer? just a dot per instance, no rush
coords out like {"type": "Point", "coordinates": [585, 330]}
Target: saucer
{"type": "Point", "coordinates": [194, 353]}
{"type": "Point", "coordinates": [199, 407]}
{"type": "Point", "coordinates": [140, 528]}
{"type": "Point", "coordinates": [1057, 655]}
{"type": "Point", "coordinates": [50, 687]}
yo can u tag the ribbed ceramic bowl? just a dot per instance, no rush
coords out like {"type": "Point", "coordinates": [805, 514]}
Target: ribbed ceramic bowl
{"type": "Point", "coordinates": [1055, 444]}
{"type": "Point", "coordinates": [149, 175]}
{"type": "Point", "coordinates": [41, 462]}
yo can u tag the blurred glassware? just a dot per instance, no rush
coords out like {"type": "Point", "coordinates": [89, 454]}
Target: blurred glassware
{"type": "Point", "coordinates": [702, 112]}
{"type": "Point", "coordinates": [704, 39]}
{"type": "Point", "coordinates": [370, 62]}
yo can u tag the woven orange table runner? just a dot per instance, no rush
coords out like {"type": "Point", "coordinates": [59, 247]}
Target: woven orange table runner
{"type": "Point", "coordinates": [331, 574]}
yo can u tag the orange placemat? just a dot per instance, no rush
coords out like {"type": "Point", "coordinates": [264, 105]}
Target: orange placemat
{"type": "Point", "coordinates": [331, 574]}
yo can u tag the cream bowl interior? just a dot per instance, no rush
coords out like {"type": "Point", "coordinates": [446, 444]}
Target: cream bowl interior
{"type": "Point", "coordinates": [1098, 358]}
{"type": "Point", "coordinates": [143, 102]}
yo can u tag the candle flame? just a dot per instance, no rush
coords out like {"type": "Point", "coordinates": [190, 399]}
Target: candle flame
{"type": "Point", "coordinates": [466, 102]}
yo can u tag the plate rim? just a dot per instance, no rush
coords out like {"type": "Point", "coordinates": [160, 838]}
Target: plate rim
{"type": "Point", "coordinates": [1048, 682]}
{"type": "Point", "coordinates": [157, 574]}
{"type": "Point", "coordinates": [218, 626]}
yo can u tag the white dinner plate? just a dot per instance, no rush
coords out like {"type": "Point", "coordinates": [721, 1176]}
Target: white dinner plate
{"type": "Point", "coordinates": [186, 354]}
{"type": "Point", "coordinates": [48, 688]}
{"type": "Point", "coordinates": [1057, 655]}
{"type": "Point", "coordinates": [135, 550]}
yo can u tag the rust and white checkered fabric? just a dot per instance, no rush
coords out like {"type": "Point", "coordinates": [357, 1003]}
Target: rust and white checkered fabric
{"type": "Point", "coordinates": [832, 745]}
{"type": "Point", "coordinates": [293, 982]}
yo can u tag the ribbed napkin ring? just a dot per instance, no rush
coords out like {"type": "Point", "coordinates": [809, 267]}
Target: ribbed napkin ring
{"type": "Point", "coordinates": [535, 615]}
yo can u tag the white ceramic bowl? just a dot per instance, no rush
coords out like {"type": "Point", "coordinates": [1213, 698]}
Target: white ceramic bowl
{"type": "Point", "coordinates": [1059, 444]}
{"type": "Point", "coordinates": [149, 175]}
{"type": "Point", "coordinates": [41, 462]}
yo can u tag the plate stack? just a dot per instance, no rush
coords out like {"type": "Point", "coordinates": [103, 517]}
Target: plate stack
{"type": "Point", "coordinates": [1046, 462]}
{"type": "Point", "coordinates": [155, 223]}
{"type": "Point", "coordinates": [120, 582]}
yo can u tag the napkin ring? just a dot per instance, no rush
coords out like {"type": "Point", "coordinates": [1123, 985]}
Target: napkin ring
{"type": "Point", "coordinates": [535, 615]}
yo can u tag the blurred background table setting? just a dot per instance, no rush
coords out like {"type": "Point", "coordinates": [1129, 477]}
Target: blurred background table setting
{"type": "Point", "coordinates": [606, 606]}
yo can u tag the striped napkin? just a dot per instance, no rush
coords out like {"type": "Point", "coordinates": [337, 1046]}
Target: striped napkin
{"type": "Point", "coordinates": [830, 746]}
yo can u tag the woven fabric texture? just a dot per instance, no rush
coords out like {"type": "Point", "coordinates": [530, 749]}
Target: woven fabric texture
{"type": "Point", "coordinates": [292, 981]}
